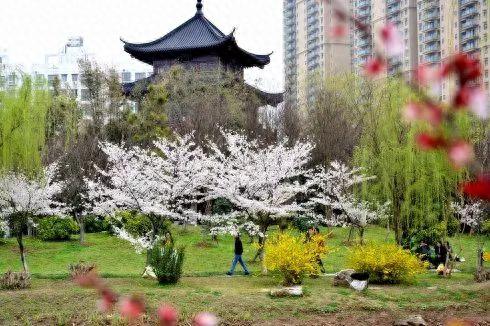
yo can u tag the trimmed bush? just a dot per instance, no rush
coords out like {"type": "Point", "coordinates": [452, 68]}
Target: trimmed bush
{"type": "Point", "coordinates": [167, 262]}
{"type": "Point", "coordinates": [385, 263]}
{"type": "Point", "coordinates": [96, 224]}
{"type": "Point", "coordinates": [56, 228]}
{"type": "Point", "coordinates": [293, 256]}
{"type": "Point", "coordinates": [15, 281]}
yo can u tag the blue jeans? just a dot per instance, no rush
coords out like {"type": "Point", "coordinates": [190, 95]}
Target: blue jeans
{"type": "Point", "coordinates": [236, 260]}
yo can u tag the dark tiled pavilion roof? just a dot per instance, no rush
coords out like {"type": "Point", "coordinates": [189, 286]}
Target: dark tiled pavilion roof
{"type": "Point", "coordinates": [196, 36]}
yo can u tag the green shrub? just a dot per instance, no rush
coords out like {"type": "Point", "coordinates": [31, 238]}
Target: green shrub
{"type": "Point", "coordinates": [137, 225]}
{"type": "Point", "coordinates": [385, 263]}
{"type": "Point", "coordinates": [485, 228]}
{"type": "Point", "coordinates": [96, 224]}
{"type": "Point", "coordinates": [167, 262]}
{"type": "Point", "coordinates": [56, 228]}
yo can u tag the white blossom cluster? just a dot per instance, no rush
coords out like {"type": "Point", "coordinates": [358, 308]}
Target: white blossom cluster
{"type": "Point", "coordinates": [257, 180]}
{"type": "Point", "coordinates": [164, 182]}
{"type": "Point", "coordinates": [33, 197]}
{"type": "Point", "coordinates": [334, 190]}
{"type": "Point", "coordinates": [4, 228]}
{"type": "Point", "coordinates": [470, 214]}
{"type": "Point", "coordinates": [262, 184]}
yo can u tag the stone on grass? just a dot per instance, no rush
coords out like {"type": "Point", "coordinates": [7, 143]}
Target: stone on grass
{"type": "Point", "coordinates": [343, 278]}
{"type": "Point", "coordinates": [149, 273]}
{"type": "Point", "coordinates": [288, 291]}
{"type": "Point", "coordinates": [415, 320]}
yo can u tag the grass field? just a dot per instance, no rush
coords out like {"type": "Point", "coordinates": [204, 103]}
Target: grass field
{"type": "Point", "coordinates": [53, 300]}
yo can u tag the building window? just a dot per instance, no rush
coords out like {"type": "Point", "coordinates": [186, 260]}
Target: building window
{"type": "Point", "coordinates": [139, 75]}
{"type": "Point", "coordinates": [64, 78]}
{"type": "Point", "coordinates": [51, 79]}
{"type": "Point", "coordinates": [74, 78]}
{"type": "Point", "coordinates": [126, 76]}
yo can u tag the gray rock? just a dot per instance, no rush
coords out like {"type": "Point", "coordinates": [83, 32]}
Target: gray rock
{"type": "Point", "coordinates": [415, 320]}
{"type": "Point", "coordinates": [343, 278]}
{"type": "Point", "coordinates": [292, 291]}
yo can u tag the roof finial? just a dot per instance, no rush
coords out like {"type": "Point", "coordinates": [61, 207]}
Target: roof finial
{"type": "Point", "coordinates": [199, 6]}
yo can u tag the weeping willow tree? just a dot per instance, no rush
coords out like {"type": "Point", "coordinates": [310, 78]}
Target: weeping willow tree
{"type": "Point", "coordinates": [420, 185]}
{"type": "Point", "coordinates": [22, 127]}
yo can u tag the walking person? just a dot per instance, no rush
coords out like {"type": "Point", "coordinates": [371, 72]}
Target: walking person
{"type": "Point", "coordinates": [238, 257]}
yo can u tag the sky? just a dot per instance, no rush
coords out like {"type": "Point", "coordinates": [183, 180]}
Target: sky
{"type": "Point", "coordinates": [30, 29]}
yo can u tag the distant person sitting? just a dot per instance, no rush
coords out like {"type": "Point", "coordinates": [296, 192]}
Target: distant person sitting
{"type": "Point", "coordinates": [238, 257]}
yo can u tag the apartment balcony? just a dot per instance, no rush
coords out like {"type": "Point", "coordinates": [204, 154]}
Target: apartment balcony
{"type": "Point", "coordinates": [430, 37]}
{"type": "Point", "coordinates": [469, 24]}
{"type": "Point", "coordinates": [431, 4]}
{"type": "Point", "coordinates": [391, 2]}
{"type": "Point", "coordinates": [472, 11]}
{"type": "Point", "coordinates": [393, 10]}
{"type": "Point", "coordinates": [470, 46]}
{"type": "Point", "coordinates": [431, 27]}
{"type": "Point", "coordinates": [466, 3]}
{"type": "Point", "coordinates": [433, 58]}
{"type": "Point", "coordinates": [363, 14]}
{"type": "Point", "coordinates": [363, 43]}
{"type": "Point", "coordinates": [469, 36]}
{"type": "Point", "coordinates": [431, 15]}
{"type": "Point", "coordinates": [363, 3]}
{"type": "Point", "coordinates": [435, 47]}
{"type": "Point", "coordinates": [363, 52]}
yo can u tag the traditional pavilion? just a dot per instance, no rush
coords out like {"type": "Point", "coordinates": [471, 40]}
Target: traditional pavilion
{"type": "Point", "coordinates": [198, 44]}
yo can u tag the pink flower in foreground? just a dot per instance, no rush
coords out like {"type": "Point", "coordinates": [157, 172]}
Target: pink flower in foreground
{"type": "Point", "coordinates": [205, 319]}
{"type": "Point", "coordinates": [374, 66]}
{"type": "Point", "coordinates": [427, 75]}
{"type": "Point", "coordinates": [338, 31]}
{"type": "Point", "coordinates": [473, 98]}
{"type": "Point", "coordinates": [132, 307]}
{"type": "Point", "coordinates": [422, 111]}
{"type": "Point", "coordinates": [460, 153]}
{"type": "Point", "coordinates": [478, 103]}
{"type": "Point", "coordinates": [479, 189]}
{"type": "Point", "coordinates": [168, 316]}
{"type": "Point", "coordinates": [427, 142]}
{"type": "Point", "coordinates": [392, 40]}
{"type": "Point", "coordinates": [413, 112]}
{"type": "Point", "coordinates": [107, 301]}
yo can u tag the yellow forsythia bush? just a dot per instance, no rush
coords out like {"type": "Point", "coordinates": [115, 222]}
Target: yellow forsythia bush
{"type": "Point", "coordinates": [293, 256]}
{"type": "Point", "coordinates": [385, 263]}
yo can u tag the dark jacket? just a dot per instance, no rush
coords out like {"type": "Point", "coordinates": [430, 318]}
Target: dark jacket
{"type": "Point", "coordinates": [238, 246]}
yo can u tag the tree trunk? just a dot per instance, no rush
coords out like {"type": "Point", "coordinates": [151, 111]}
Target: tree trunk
{"type": "Point", "coordinates": [361, 235]}
{"type": "Point", "coordinates": [81, 224]}
{"type": "Point", "coordinates": [22, 252]}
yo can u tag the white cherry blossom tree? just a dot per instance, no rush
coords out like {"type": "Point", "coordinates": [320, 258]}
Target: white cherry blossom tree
{"type": "Point", "coordinates": [22, 199]}
{"type": "Point", "coordinates": [470, 214]}
{"type": "Point", "coordinates": [162, 183]}
{"type": "Point", "coordinates": [333, 190]}
{"type": "Point", "coordinates": [261, 182]}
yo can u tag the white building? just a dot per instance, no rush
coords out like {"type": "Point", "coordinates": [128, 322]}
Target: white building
{"type": "Point", "coordinates": [10, 74]}
{"type": "Point", "coordinates": [65, 66]}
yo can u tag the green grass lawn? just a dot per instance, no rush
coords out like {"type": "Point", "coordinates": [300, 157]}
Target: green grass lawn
{"type": "Point", "coordinates": [116, 258]}
{"type": "Point", "coordinates": [53, 300]}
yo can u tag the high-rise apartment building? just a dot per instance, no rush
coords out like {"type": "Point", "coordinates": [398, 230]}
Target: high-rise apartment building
{"type": "Point", "coordinates": [376, 14]}
{"type": "Point", "coordinates": [447, 27]}
{"type": "Point", "coordinates": [432, 31]}
{"type": "Point", "coordinates": [310, 49]}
